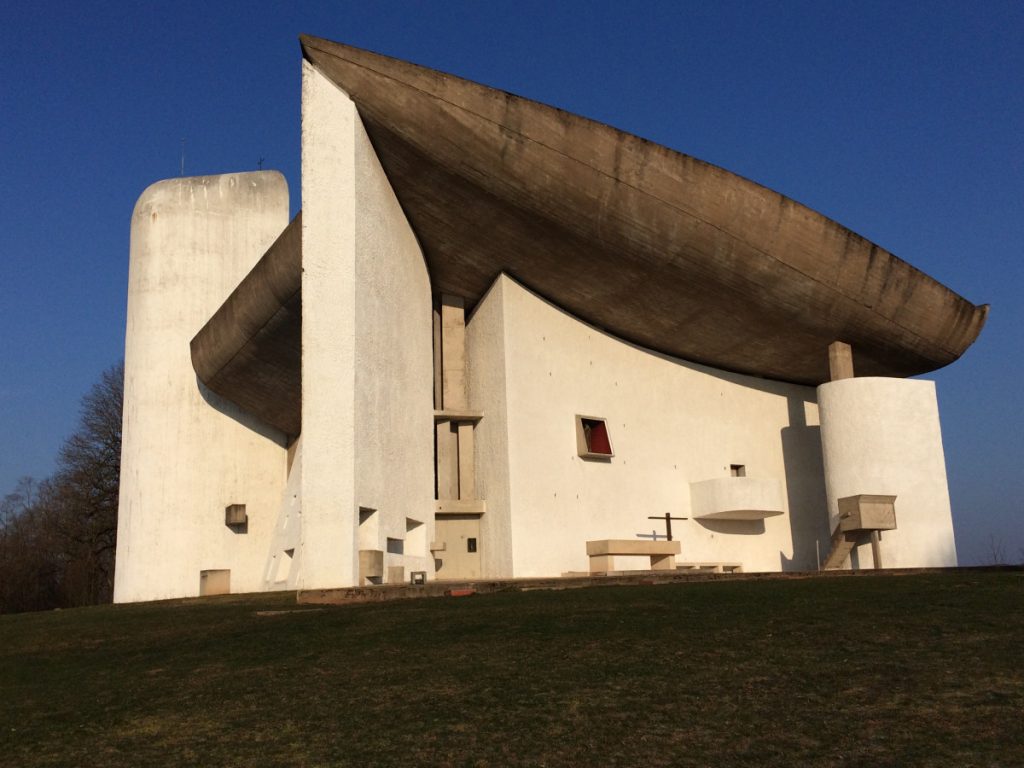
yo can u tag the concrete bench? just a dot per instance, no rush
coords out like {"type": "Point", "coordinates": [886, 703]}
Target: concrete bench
{"type": "Point", "coordinates": [602, 551]}
{"type": "Point", "coordinates": [711, 567]}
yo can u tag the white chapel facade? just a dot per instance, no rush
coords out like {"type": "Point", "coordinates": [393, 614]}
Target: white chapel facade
{"type": "Point", "coordinates": [501, 341]}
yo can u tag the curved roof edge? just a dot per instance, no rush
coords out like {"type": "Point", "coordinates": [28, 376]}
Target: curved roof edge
{"type": "Point", "coordinates": [655, 246]}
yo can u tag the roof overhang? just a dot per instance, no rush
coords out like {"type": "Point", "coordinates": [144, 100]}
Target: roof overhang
{"type": "Point", "coordinates": [654, 246]}
{"type": "Point", "coordinates": [250, 351]}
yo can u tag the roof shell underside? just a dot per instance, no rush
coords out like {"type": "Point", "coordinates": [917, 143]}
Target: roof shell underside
{"type": "Point", "coordinates": [656, 247]}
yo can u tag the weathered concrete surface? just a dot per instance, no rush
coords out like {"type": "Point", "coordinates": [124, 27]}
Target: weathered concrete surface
{"type": "Point", "coordinates": [186, 454]}
{"type": "Point", "coordinates": [366, 393]}
{"type": "Point", "coordinates": [658, 247]}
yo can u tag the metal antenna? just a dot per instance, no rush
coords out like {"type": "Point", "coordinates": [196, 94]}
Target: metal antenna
{"type": "Point", "coordinates": [183, 157]}
{"type": "Point", "coordinates": [260, 163]}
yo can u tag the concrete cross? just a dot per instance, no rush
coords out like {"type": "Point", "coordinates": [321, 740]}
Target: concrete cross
{"type": "Point", "coordinates": [667, 517]}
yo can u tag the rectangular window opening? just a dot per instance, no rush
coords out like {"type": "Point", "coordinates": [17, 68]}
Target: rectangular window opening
{"type": "Point", "coordinates": [283, 565]}
{"type": "Point", "coordinates": [215, 582]}
{"type": "Point", "coordinates": [415, 537]}
{"type": "Point", "coordinates": [738, 470]}
{"type": "Point", "coordinates": [369, 528]}
{"type": "Point", "coordinates": [592, 438]}
{"type": "Point", "coordinates": [471, 545]}
{"type": "Point", "coordinates": [396, 546]}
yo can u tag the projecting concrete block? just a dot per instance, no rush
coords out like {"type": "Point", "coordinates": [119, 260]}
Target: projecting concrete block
{"type": "Point", "coordinates": [867, 512]}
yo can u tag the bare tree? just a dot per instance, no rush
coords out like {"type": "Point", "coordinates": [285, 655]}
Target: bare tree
{"type": "Point", "coordinates": [57, 537]}
{"type": "Point", "coordinates": [29, 572]}
{"type": "Point", "coordinates": [83, 503]}
{"type": "Point", "coordinates": [996, 554]}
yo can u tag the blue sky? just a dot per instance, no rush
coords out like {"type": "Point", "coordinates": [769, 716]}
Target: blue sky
{"type": "Point", "coordinates": [902, 121]}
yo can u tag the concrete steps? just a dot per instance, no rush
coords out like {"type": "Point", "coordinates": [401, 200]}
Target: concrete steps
{"type": "Point", "coordinates": [711, 567]}
{"type": "Point", "coordinates": [843, 543]}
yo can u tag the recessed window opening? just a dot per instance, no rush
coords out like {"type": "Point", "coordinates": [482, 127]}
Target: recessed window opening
{"type": "Point", "coordinates": [369, 528]}
{"type": "Point", "coordinates": [396, 546]}
{"type": "Point", "coordinates": [738, 470]}
{"type": "Point", "coordinates": [592, 438]}
{"type": "Point", "coordinates": [471, 545]}
{"type": "Point", "coordinates": [215, 582]}
{"type": "Point", "coordinates": [283, 565]}
{"type": "Point", "coordinates": [415, 537]}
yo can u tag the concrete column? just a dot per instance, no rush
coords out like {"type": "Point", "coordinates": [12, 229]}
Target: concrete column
{"type": "Point", "coordinates": [438, 361]}
{"type": "Point", "coordinates": [447, 460]}
{"type": "Point", "coordinates": [876, 548]}
{"type": "Point", "coordinates": [453, 353]}
{"type": "Point", "coordinates": [467, 473]}
{"type": "Point", "coordinates": [454, 440]}
{"type": "Point", "coordinates": [840, 361]}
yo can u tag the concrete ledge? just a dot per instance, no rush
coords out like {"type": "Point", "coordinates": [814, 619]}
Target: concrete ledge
{"type": "Point", "coordinates": [460, 506]}
{"type": "Point", "coordinates": [711, 567]}
{"type": "Point", "coordinates": [632, 547]}
{"type": "Point", "coordinates": [453, 415]}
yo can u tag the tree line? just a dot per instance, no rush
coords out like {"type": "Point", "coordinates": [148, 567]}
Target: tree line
{"type": "Point", "coordinates": [58, 535]}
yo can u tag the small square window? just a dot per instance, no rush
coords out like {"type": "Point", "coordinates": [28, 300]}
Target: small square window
{"type": "Point", "coordinates": [592, 438]}
{"type": "Point", "coordinates": [738, 470]}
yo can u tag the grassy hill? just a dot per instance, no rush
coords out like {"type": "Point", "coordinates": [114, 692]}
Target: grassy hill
{"type": "Point", "coordinates": [873, 671]}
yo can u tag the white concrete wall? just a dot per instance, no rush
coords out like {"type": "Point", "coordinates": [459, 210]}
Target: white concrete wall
{"type": "Point", "coordinates": [186, 453]}
{"type": "Point", "coordinates": [486, 371]}
{"type": "Point", "coordinates": [394, 367]}
{"type": "Point", "coordinates": [882, 436]}
{"type": "Point", "coordinates": [367, 399]}
{"type": "Point", "coordinates": [671, 423]}
{"type": "Point", "coordinates": [328, 334]}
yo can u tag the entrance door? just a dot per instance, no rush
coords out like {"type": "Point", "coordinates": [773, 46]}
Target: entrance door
{"type": "Point", "coordinates": [460, 558]}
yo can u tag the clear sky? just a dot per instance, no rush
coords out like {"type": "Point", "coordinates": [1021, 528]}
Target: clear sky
{"type": "Point", "coordinates": [902, 121]}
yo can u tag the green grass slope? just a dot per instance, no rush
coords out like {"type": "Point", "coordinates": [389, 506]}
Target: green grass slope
{"type": "Point", "coordinates": [873, 671]}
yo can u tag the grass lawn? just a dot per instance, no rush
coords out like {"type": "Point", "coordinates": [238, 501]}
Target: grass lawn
{"type": "Point", "coordinates": [868, 671]}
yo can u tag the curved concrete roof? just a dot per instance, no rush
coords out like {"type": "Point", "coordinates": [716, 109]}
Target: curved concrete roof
{"type": "Point", "coordinates": [655, 246]}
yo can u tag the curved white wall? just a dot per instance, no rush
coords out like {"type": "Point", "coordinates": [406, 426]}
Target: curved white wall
{"type": "Point", "coordinates": [882, 436]}
{"type": "Point", "coordinates": [186, 453]}
{"type": "Point", "coordinates": [367, 381]}
{"type": "Point", "coordinates": [532, 367]}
